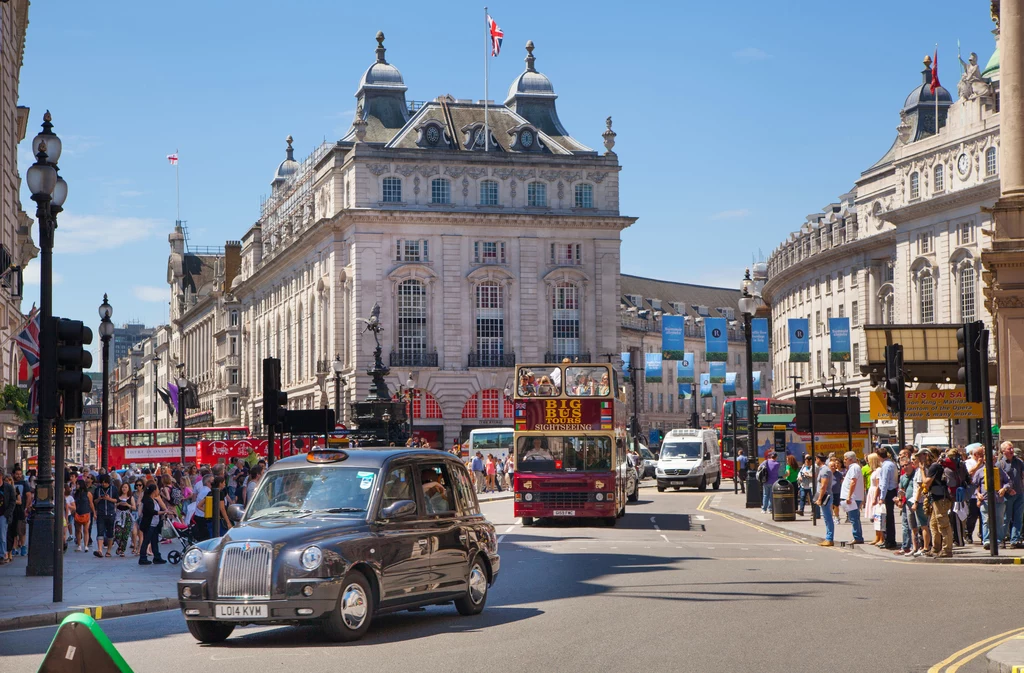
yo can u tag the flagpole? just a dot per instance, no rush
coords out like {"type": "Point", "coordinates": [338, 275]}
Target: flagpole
{"type": "Point", "coordinates": [487, 43]}
{"type": "Point", "coordinates": [177, 188]}
{"type": "Point", "coordinates": [935, 74]}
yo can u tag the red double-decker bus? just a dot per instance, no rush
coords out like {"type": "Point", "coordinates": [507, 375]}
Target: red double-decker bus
{"type": "Point", "coordinates": [569, 443]}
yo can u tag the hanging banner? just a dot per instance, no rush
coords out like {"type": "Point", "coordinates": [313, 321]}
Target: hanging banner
{"type": "Point", "coordinates": [716, 339]}
{"type": "Point", "coordinates": [759, 339]}
{"type": "Point", "coordinates": [730, 384]}
{"type": "Point", "coordinates": [839, 330]}
{"type": "Point", "coordinates": [757, 383]}
{"type": "Point", "coordinates": [625, 365]}
{"type": "Point", "coordinates": [684, 369]}
{"type": "Point", "coordinates": [652, 367]}
{"type": "Point", "coordinates": [717, 372]}
{"type": "Point", "coordinates": [672, 337]}
{"type": "Point", "coordinates": [799, 340]}
{"type": "Point", "coordinates": [685, 391]}
{"type": "Point", "coordinates": [705, 385]}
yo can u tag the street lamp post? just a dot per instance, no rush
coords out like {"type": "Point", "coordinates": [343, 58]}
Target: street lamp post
{"type": "Point", "coordinates": [135, 399]}
{"type": "Point", "coordinates": [49, 192]}
{"type": "Point", "coordinates": [337, 365]}
{"type": "Point", "coordinates": [748, 306]}
{"type": "Point", "coordinates": [182, 383]}
{"type": "Point", "coordinates": [106, 332]}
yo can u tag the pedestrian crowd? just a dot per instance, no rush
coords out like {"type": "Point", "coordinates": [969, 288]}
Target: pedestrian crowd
{"type": "Point", "coordinates": [940, 497]}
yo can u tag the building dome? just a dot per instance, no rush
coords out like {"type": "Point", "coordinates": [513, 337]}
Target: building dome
{"type": "Point", "coordinates": [381, 74]}
{"type": "Point", "coordinates": [922, 95]}
{"type": "Point", "coordinates": [992, 67]}
{"type": "Point", "coordinates": [288, 167]}
{"type": "Point", "coordinates": [531, 82]}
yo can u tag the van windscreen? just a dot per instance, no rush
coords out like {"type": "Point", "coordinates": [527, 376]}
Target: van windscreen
{"type": "Point", "coordinates": [685, 449]}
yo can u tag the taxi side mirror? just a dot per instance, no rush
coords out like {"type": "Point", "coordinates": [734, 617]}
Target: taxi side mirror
{"type": "Point", "coordinates": [402, 509]}
{"type": "Point", "coordinates": [235, 513]}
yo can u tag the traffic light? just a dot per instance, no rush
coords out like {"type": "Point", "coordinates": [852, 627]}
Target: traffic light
{"type": "Point", "coordinates": [894, 383]}
{"type": "Point", "coordinates": [275, 402]}
{"type": "Point", "coordinates": [72, 361]}
{"type": "Point", "coordinates": [969, 355]}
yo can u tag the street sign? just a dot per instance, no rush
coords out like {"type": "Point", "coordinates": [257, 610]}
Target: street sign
{"type": "Point", "coordinates": [925, 404]}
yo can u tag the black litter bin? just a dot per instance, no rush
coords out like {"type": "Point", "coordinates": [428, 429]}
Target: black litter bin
{"type": "Point", "coordinates": [783, 508]}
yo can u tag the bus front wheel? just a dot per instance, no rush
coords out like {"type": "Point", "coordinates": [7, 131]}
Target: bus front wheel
{"type": "Point", "coordinates": [527, 520]}
{"type": "Point", "coordinates": [610, 521]}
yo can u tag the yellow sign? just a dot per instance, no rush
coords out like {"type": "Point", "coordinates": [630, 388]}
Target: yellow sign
{"type": "Point", "coordinates": [925, 404]}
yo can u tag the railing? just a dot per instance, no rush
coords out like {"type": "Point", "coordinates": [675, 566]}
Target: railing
{"type": "Point", "coordinates": [639, 324]}
{"type": "Point", "coordinates": [550, 358]}
{"type": "Point", "coordinates": [492, 359]}
{"type": "Point", "coordinates": [412, 359]}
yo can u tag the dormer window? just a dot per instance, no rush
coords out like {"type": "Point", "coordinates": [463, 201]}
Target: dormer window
{"type": "Point", "coordinates": [431, 134]}
{"type": "Point", "coordinates": [525, 138]}
{"type": "Point", "coordinates": [473, 138]}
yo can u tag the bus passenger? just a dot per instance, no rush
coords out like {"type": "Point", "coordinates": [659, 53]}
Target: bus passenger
{"type": "Point", "coordinates": [545, 388]}
{"type": "Point", "coordinates": [538, 451]}
{"type": "Point", "coordinates": [604, 388]}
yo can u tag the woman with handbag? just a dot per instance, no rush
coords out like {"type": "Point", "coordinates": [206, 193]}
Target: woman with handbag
{"type": "Point", "coordinates": [150, 525]}
{"type": "Point", "coordinates": [123, 519]}
{"type": "Point", "coordinates": [84, 512]}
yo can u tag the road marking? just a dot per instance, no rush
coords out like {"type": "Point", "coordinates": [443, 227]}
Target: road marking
{"type": "Point", "coordinates": [510, 528]}
{"type": "Point", "coordinates": [701, 517]}
{"type": "Point", "coordinates": [500, 538]}
{"type": "Point", "coordinates": [953, 662]}
{"type": "Point", "coordinates": [655, 525]}
{"type": "Point", "coordinates": [702, 507]}
{"type": "Point", "coordinates": [666, 538]}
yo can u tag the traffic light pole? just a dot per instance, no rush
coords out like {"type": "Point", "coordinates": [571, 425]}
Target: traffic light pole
{"type": "Point", "coordinates": [990, 453]}
{"type": "Point", "coordinates": [60, 514]}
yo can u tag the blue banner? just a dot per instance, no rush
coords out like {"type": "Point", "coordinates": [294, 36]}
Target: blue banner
{"type": "Point", "coordinates": [730, 384]}
{"type": "Point", "coordinates": [652, 367]}
{"type": "Point", "coordinates": [705, 385]}
{"type": "Point", "coordinates": [799, 340]}
{"type": "Point", "coordinates": [757, 382]}
{"type": "Point", "coordinates": [685, 391]}
{"type": "Point", "coordinates": [717, 372]}
{"type": "Point", "coordinates": [684, 369]}
{"type": "Point", "coordinates": [839, 330]}
{"type": "Point", "coordinates": [672, 337]}
{"type": "Point", "coordinates": [759, 339]}
{"type": "Point", "coordinates": [716, 339]}
{"type": "Point", "coordinates": [625, 365]}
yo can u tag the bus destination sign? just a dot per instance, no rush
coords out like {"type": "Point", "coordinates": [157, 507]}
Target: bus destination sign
{"type": "Point", "coordinates": [563, 415]}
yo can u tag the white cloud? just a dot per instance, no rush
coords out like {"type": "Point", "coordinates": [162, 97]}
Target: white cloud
{"type": "Point", "coordinates": [150, 293]}
{"type": "Point", "coordinates": [84, 234]}
{"type": "Point", "coordinates": [731, 214]}
{"type": "Point", "coordinates": [31, 274]}
{"type": "Point", "coordinates": [751, 54]}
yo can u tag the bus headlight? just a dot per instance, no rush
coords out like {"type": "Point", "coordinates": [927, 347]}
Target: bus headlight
{"type": "Point", "coordinates": [599, 497]}
{"type": "Point", "coordinates": [528, 497]}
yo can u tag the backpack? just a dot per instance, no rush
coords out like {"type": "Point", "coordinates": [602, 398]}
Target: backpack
{"type": "Point", "coordinates": [762, 473]}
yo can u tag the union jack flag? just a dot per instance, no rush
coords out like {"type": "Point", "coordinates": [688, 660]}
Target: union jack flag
{"type": "Point", "coordinates": [497, 35]}
{"type": "Point", "coordinates": [28, 341]}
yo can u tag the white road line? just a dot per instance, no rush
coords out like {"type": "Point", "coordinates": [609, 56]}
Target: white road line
{"type": "Point", "coordinates": [655, 525]}
{"type": "Point", "coordinates": [666, 538]}
{"type": "Point", "coordinates": [510, 528]}
{"type": "Point", "coordinates": [701, 517]}
{"type": "Point", "coordinates": [500, 538]}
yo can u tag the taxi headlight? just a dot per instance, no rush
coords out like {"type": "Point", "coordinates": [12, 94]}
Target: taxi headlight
{"type": "Point", "coordinates": [529, 497]}
{"type": "Point", "coordinates": [192, 561]}
{"type": "Point", "coordinates": [312, 557]}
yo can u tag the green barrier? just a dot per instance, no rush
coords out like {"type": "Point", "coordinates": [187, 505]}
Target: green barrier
{"type": "Point", "coordinates": [80, 645]}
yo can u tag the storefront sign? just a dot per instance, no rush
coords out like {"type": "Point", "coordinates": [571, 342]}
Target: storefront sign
{"type": "Point", "coordinates": [926, 404]}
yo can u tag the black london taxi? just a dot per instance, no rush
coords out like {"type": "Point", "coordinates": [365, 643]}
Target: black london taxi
{"type": "Point", "coordinates": [336, 537]}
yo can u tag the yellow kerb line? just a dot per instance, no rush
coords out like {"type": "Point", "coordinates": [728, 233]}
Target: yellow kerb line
{"type": "Point", "coordinates": [974, 650]}
{"type": "Point", "coordinates": [702, 507]}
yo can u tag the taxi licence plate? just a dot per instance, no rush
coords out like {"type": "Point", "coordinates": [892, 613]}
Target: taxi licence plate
{"type": "Point", "coordinates": [564, 512]}
{"type": "Point", "coordinates": [240, 612]}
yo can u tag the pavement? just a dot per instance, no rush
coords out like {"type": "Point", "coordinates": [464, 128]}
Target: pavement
{"type": "Point", "coordinates": [803, 529]}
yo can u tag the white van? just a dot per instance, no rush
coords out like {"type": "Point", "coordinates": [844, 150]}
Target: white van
{"type": "Point", "coordinates": [925, 441]}
{"type": "Point", "coordinates": [689, 457]}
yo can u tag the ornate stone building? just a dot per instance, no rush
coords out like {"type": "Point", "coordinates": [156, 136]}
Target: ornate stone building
{"type": "Point", "coordinates": [904, 245]}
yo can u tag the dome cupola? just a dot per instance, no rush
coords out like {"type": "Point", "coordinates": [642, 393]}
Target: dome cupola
{"type": "Point", "coordinates": [288, 167]}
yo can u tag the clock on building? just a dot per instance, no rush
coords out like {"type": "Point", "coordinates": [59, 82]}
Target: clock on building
{"type": "Point", "coordinates": [433, 135]}
{"type": "Point", "coordinates": [526, 139]}
{"type": "Point", "coordinates": [963, 164]}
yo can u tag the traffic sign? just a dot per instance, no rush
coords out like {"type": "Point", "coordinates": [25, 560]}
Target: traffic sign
{"type": "Point", "coordinates": [925, 404]}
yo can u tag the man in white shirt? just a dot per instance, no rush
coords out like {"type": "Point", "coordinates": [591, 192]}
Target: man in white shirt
{"type": "Point", "coordinates": [852, 494]}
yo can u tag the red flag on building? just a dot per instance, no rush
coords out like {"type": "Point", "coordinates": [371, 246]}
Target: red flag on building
{"type": "Point", "coordinates": [935, 72]}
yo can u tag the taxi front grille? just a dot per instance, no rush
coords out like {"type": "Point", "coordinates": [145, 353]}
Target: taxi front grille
{"type": "Point", "coordinates": [561, 499]}
{"type": "Point", "coordinates": [245, 570]}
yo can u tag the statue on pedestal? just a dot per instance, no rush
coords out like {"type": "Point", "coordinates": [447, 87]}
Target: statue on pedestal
{"type": "Point", "coordinates": [972, 84]}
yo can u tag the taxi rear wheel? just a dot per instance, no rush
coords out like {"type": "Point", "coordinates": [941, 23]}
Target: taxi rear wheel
{"type": "Point", "coordinates": [476, 592]}
{"type": "Point", "coordinates": [350, 620]}
{"type": "Point", "coordinates": [210, 632]}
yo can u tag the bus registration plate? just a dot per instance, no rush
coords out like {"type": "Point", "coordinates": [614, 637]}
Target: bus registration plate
{"type": "Point", "coordinates": [564, 512]}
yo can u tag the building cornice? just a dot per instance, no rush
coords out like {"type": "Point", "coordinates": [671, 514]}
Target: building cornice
{"type": "Point", "coordinates": [963, 197]}
{"type": "Point", "coordinates": [818, 260]}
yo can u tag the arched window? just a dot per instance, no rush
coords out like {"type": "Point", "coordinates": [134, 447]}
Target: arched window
{"type": "Point", "coordinates": [584, 196]}
{"type": "Point", "coordinates": [968, 286]}
{"type": "Point", "coordinates": [301, 360]}
{"type": "Point", "coordinates": [890, 312]}
{"type": "Point", "coordinates": [391, 190]}
{"type": "Point", "coordinates": [915, 186]}
{"type": "Point", "coordinates": [488, 193]}
{"type": "Point", "coordinates": [938, 180]}
{"type": "Point", "coordinates": [490, 321]}
{"type": "Point", "coordinates": [288, 350]}
{"type": "Point", "coordinates": [537, 194]}
{"type": "Point", "coordinates": [926, 292]}
{"type": "Point", "coordinates": [990, 162]}
{"type": "Point", "coordinates": [440, 191]}
{"type": "Point", "coordinates": [565, 319]}
{"type": "Point", "coordinates": [259, 359]}
{"type": "Point", "coordinates": [412, 317]}
{"type": "Point", "coordinates": [314, 355]}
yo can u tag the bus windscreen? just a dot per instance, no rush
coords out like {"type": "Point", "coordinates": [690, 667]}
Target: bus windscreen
{"type": "Point", "coordinates": [563, 454]}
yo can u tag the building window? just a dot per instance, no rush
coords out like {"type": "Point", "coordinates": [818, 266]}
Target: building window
{"type": "Point", "coordinates": [469, 409]}
{"type": "Point", "coordinates": [584, 196]}
{"type": "Point", "coordinates": [853, 276]}
{"type": "Point", "coordinates": [856, 356]}
{"type": "Point", "coordinates": [990, 162]}
{"type": "Point", "coordinates": [817, 287]}
{"type": "Point", "coordinates": [915, 186]}
{"type": "Point", "coordinates": [234, 407]}
{"type": "Point", "coordinates": [924, 243]}
{"type": "Point", "coordinates": [828, 319]}
{"type": "Point", "coordinates": [938, 178]}
{"type": "Point", "coordinates": [391, 190]}
{"type": "Point", "coordinates": [839, 280]}
{"type": "Point", "coordinates": [537, 194]}
{"type": "Point", "coordinates": [926, 287]}
{"type": "Point", "coordinates": [412, 317]}
{"type": "Point", "coordinates": [565, 319]}
{"type": "Point", "coordinates": [854, 314]}
{"type": "Point", "coordinates": [817, 322]}
{"type": "Point", "coordinates": [411, 251]}
{"type": "Point", "coordinates": [233, 345]}
{"type": "Point", "coordinates": [650, 401]}
{"type": "Point", "coordinates": [965, 233]}
{"type": "Point", "coordinates": [233, 376]}
{"type": "Point", "coordinates": [828, 284]}
{"type": "Point", "coordinates": [661, 401]}
{"type": "Point", "coordinates": [233, 319]}
{"type": "Point", "coordinates": [489, 403]}
{"type": "Point", "coordinates": [566, 254]}
{"type": "Point", "coordinates": [490, 319]}
{"type": "Point", "coordinates": [817, 360]}
{"type": "Point", "coordinates": [890, 311]}
{"type": "Point", "coordinates": [488, 193]}
{"type": "Point", "coordinates": [488, 252]}
{"type": "Point", "coordinates": [888, 272]}
{"type": "Point", "coordinates": [670, 404]}
{"type": "Point", "coordinates": [440, 191]}
{"type": "Point", "coordinates": [842, 310]}
{"type": "Point", "coordinates": [967, 290]}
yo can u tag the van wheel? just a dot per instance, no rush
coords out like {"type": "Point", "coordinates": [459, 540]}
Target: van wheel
{"type": "Point", "coordinates": [210, 632]}
{"type": "Point", "coordinates": [527, 520]}
{"type": "Point", "coordinates": [351, 618]}
{"type": "Point", "coordinates": [718, 481]}
{"type": "Point", "coordinates": [476, 594]}
{"type": "Point", "coordinates": [703, 486]}
{"type": "Point", "coordinates": [661, 489]}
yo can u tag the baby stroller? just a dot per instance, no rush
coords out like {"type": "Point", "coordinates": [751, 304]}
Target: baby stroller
{"type": "Point", "coordinates": [185, 532]}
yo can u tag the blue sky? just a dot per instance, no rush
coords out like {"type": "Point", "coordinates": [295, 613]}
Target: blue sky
{"type": "Point", "coordinates": [734, 119]}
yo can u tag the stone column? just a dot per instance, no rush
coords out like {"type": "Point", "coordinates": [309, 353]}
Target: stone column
{"type": "Point", "coordinates": [1004, 259]}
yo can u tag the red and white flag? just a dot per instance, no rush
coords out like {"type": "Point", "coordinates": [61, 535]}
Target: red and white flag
{"type": "Point", "coordinates": [172, 159]}
{"type": "Point", "coordinates": [497, 35]}
{"type": "Point", "coordinates": [935, 73]}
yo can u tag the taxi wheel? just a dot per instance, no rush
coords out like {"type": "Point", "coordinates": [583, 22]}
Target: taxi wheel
{"type": "Point", "coordinates": [210, 632]}
{"type": "Point", "coordinates": [476, 593]}
{"type": "Point", "coordinates": [350, 620]}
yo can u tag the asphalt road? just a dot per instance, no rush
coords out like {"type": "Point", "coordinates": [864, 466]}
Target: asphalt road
{"type": "Point", "coordinates": [671, 588]}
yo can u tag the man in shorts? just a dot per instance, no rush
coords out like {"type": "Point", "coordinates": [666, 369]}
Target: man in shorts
{"type": "Point", "coordinates": [17, 540]}
{"type": "Point", "coordinates": [104, 500]}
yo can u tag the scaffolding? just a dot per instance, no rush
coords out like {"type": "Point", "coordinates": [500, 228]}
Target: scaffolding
{"type": "Point", "coordinates": [294, 193]}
